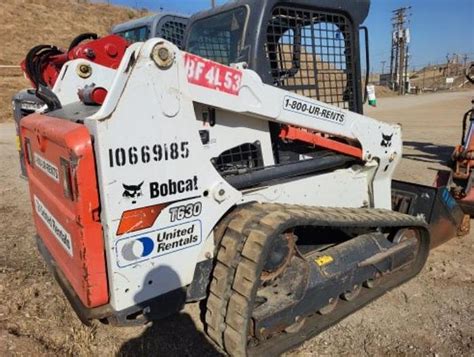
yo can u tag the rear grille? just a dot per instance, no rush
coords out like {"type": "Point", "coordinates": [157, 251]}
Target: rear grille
{"type": "Point", "coordinates": [239, 159]}
{"type": "Point", "coordinates": [311, 54]}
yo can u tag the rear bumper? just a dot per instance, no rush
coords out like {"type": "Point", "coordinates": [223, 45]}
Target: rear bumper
{"type": "Point", "coordinates": [154, 309]}
{"type": "Point", "coordinates": [84, 313]}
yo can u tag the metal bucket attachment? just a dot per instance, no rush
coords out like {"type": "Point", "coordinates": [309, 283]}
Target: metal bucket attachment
{"type": "Point", "coordinates": [445, 217]}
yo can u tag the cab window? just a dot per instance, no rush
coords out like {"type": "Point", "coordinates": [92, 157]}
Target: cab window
{"type": "Point", "coordinates": [138, 34]}
{"type": "Point", "coordinates": [219, 37]}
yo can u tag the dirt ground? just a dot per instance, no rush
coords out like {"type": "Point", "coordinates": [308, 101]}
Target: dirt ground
{"type": "Point", "coordinates": [432, 315]}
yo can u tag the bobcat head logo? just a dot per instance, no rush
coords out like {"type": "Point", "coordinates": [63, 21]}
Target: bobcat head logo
{"type": "Point", "coordinates": [386, 140]}
{"type": "Point", "coordinates": [132, 192]}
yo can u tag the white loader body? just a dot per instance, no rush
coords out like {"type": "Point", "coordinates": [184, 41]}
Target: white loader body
{"type": "Point", "coordinates": [149, 153]}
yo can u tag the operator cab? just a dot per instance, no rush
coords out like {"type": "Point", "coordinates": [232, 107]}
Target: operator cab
{"type": "Point", "coordinates": [304, 46]}
{"type": "Point", "coordinates": [307, 47]}
{"type": "Point", "coordinates": [169, 26]}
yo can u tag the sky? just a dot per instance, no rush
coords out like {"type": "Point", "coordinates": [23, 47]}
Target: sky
{"type": "Point", "coordinates": [437, 27]}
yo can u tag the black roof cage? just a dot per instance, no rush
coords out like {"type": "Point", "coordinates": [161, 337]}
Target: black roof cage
{"type": "Point", "coordinates": [310, 47]}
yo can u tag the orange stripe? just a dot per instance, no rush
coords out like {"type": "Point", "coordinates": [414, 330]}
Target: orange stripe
{"type": "Point", "coordinates": [292, 133]}
{"type": "Point", "coordinates": [139, 218]}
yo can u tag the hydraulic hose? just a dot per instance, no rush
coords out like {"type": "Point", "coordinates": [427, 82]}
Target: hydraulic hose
{"type": "Point", "coordinates": [82, 37]}
{"type": "Point", "coordinates": [36, 59]}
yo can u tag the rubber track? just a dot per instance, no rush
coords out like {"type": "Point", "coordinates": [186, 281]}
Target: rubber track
{"type": "Point", "coordinates": [242, 245]}
{"type": "Point", "coordinates": [228, 257]}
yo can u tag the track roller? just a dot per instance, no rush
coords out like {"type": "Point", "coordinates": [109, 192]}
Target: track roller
{"type": "Point", "coordinates": [352, 294]}
{"type": "Point", "coordinates": [297, 326]}
{"type": "Point", "coordinates": [373, 282]}
{"type": "Point", "coordinates": [330, 306]}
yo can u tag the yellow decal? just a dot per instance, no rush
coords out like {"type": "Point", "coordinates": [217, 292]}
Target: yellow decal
{"type": "Point", "coordinates": [324, 260]}
{"type": "Point", "coordinates": [18, 143]}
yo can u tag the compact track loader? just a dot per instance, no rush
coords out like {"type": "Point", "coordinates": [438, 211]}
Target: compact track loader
{"type": "Point", "coordinates": [240, 171]}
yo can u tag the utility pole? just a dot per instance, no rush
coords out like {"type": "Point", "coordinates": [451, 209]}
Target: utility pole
{"type": "Point", "coordinates": [458, 63]}
{"type": "Point", "coordinates": [399, 55]}
{"type": "Point", "coordinates": [383, 66]}
{"type": "Point", "coordinates": [424, 76]}
{"type": "Point", "coordinates": [406, 77]}
{"type": "Point", "coordinates": [213, 3]}
{"type": "Point", "coordinates": [447, 66]}
{"type": "Point", "coordinates": [401, 62]}
{"type": "Point", "coordinates": [393, 61]}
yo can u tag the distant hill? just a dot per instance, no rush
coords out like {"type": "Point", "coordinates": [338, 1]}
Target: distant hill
{"type": "Point", "coordinates": [26, 23]}
{"type": "Point", "coordinates": [434, 76]}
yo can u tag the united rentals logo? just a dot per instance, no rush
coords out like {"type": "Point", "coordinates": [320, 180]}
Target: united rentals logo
{"type": "Point", "coordinates": [58, 231]}
{"type": "Point", "coordinates": [155, 244]}
{"type": "Point", "coordinates": [138, 248]}
{"type": "Point", "coordinates": [132, 192]}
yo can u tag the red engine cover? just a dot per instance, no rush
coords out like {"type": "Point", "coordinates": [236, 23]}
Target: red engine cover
{"type": "Point", "coordinates": [107, 51]}
{"type": "Point", "coordinates": [63, 188]}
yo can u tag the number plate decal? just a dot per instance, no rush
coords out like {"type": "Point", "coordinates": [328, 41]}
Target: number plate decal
{"type": "Point", "coordinates": [134, 155]}
{"type": "Point", "coordinates": [212, 75]}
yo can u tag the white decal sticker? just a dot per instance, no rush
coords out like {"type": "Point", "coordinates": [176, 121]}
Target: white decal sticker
{"type": "Point", "coordinates": [173, 187]}
{"type": "Point", "coordinates": [145, 246]}
{"type": "Point", "coordinates": [144, 154]}
{"type": "Point", "coordinates": [47, 167]}
{"type": "Point", "coordinates": [213, 75]}
{"type": "Point", "coordinates": [187, 211]}
{"type": "Point", "coordinates": [63, 237]}
{"type": "Point", "coordinates": [313, 110]}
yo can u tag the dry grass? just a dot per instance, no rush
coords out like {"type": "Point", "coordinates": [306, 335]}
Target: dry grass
{"type": "Point", "coordinates": [26, 23]}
